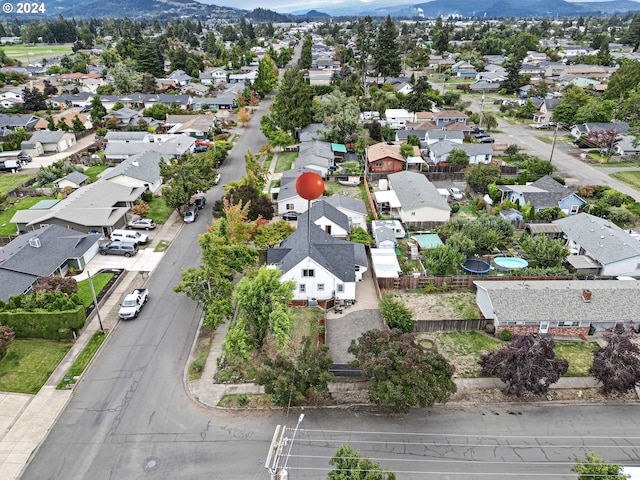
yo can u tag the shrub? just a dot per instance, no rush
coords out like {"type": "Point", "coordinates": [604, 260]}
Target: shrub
{"type": "Point", "coordinates": [506, 335]}
{"type": "Point", "coordinates": [455, 207]}
{"type": "Point", "coordinates": [196, 366]}
{"type": "Point", "coordinates": [243, 399]}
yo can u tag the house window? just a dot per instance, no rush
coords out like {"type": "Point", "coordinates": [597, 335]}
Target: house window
{"type": "Point", "coordinates": [340, 287]}
{"type": "Point", "coordinates": [327, 229]}
{"type": "Point", "coordinates": [289, 207]}
{"type": "Point", "coordinates": [308, 272]}
{"type": "Point", "coordinates": [574, 209]}
{"type": "Point", "coordinates": [413, 214]}
{"type": "Point", "coordinates": [357, 268]}
{"type": "Point", "coordinates": [302, 288]}
{"type": "Point", "coordinates": [321, 287]}
{"type": "Point", "coordinates": [378, 164]}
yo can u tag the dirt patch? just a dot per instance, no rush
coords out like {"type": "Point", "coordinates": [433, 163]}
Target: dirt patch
{"type": "Point", "coordinates": [495, 395]}
{"type": "Point", "coordinates": [441, 306]}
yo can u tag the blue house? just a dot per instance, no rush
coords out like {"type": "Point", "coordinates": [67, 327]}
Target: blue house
{"type": "Point", "coordinates": [542, 194]}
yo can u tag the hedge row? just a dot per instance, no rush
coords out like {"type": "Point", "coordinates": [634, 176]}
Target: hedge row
{"type": "Point", "coordinates": [43, 324]}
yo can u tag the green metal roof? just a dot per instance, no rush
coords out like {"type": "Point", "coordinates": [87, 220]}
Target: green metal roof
{"type": "Point", "coordinates": [338, 147]}
{"type": "Point", "coordinates": [429, 240]}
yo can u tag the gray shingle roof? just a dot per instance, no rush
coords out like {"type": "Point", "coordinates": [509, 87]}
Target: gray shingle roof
{"type": "Point", "coordinates": [322, 208]}
{"type": "Point", "coordinates": [47, 136]}
{"type": "Point", "coordinates": [414, 190]}
{"type": "Point", "coordinates": [143, 166]}
{"type": "Point", "coordinates": [75, 177]}
{"type": "Point", "coordinates": [347, 203]}
{"type": "Point", "coordinates": [21, 264]}
{"type": "Point", "coordinates": [338, 256]}
{"type": "Point", "coordinates": [561, 300]}
{"type": "Point", "coordinates": [603, 240]}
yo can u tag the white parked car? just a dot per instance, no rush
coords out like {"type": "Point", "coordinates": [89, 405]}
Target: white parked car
{"type": "Point", "coordinates": [456, 193]}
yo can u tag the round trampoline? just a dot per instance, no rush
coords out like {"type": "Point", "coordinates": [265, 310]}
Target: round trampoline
{"type": "Point", "coordinates": [476, 266]}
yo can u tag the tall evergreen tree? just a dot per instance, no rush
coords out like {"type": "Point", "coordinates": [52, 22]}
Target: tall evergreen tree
{"type": "Point", "coordinates": [365, 41]}
{"type": "Point", "coordinates": [387, 51]}
{"type": "Point", "coordinates": [148, 60]}
{"type": "Point", "coordinates": [306, 60]}
{"type": "Point", "coordinates": [291, 108]}
{"type": "Point", "coordinates": [97, 110]}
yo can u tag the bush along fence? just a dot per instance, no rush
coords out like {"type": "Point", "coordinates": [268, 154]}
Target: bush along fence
{"type": "Point", "coordinates": [52, 316]}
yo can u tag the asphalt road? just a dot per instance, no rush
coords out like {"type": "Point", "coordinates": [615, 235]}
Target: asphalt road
{"type": "Point", "coordinates": [563, 157]}
{"type": "Point", "coordinates": [130, 418]}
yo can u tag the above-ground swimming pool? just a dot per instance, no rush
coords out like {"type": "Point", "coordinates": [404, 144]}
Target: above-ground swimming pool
{"type": "Point", "coordinates": [475, 265]}
{"type": "Point", "coordinates": [510, 263]}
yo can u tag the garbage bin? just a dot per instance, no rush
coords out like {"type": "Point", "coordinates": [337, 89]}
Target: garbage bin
{"type": "Point", "coordinates": [592, 329]}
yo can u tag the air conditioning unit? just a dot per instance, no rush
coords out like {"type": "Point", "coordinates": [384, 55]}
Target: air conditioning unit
{"type": "Point", "coordinates": [35, 242]}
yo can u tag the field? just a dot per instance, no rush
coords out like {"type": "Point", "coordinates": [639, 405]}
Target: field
{"type": "Point", "coordinates": [28, 54]}
{"type": "Point", "coordinates": [9, 182]}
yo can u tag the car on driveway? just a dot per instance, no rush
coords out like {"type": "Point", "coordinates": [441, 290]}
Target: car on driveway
{"type": "Point", "coordinates": [142, 223]}
{"type": "Point", "coordinates": [290, 216]}
{"type": "Point", "coordinates": [487, 140]}
{"type": "Point", "coordinates": [119, 248]}
{"type": "Point", "coordinates": [456, 193]}
{"type": "Point", "coordinates": [481, 135]}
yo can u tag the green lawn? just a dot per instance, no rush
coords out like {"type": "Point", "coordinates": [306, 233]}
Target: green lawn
{"type": "Point", "coordinates": [630, 178]}
{"type": "Point", "coordinates": [29, 54]}
{"type": "Point", "coordinates": [29, 363]}
{"type": "Point", "coordinates": [617, 164]}
{"type": "Point", "coordinates": [159, 210]}
{"type": "Point", "coordinates": [10, 181]}
{"type": "Point", "coordinates": [7, 228]}
{"type": "Point", "coordinates": [83, 359]}
{"type": "Point", "coordinates": [579, 355]}
{"type": "Point", "coordinates": [464, 350]}
{"type": "Point", "coordinates": [284, 162]}
{"type": "Point", "coordinates": [84, 289]}
{"type": "Point", "coordinates": [94, 171]}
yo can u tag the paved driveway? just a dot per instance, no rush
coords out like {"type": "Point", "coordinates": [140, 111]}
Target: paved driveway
{"type": "Point", "coordinates": [343, 327]}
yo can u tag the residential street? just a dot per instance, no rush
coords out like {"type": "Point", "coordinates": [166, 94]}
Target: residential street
{"type": "Point", "coordinates": [130, 416]}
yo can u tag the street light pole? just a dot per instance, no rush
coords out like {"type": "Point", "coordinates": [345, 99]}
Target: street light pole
{"type": "Point", "coordinates": [553, 144]}
{"type": "Point", "coordinates": [95, 301]}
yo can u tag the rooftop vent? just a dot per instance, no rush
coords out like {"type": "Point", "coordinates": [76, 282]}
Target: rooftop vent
{"type": "Point", "coordinates": [586, 296]}
{"type": "Point", "coordinates": [35, 242]}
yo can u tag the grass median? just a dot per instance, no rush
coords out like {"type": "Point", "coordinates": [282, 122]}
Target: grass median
{"type": "Point", "coordinates": [83, 360]}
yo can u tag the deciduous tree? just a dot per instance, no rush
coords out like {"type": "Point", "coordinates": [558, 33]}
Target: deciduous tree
{"type": "Point", "coordinates": [263, 302]}
{"type": "Point", "coordinates": [212, 283]}
{"type": "Point", "coordinates": [617, 365]}
{"type": "Point", "coordinates": [401, 373]}
{"type": "Point", "coordinates": [527, 364]}
{"type": "Point", "coordinates": [296, 381]}
{"type": "Point", "coordinates": [350, 465]}
{"type": "Point", "coordinates": [272, 234]}
{"type": "Point", "coordinates": [595, 468]}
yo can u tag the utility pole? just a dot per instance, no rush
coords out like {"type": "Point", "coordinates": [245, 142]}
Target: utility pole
{"type": "Point", "coordinates": [276, 461]}
{"type": "Point", "coordinates": [95, 301]}
{"type": "Point", "coordinates": [553, 144]}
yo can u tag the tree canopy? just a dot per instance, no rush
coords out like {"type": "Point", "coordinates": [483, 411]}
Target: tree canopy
{"type": "Point", "coordinates": [528, 363]}
{"type": "Point", "coordinates": [616, 366]}
{"type": "Point", "coordinates": [401, 373]}
{"type": "Point", "coordinates": [350, 465]}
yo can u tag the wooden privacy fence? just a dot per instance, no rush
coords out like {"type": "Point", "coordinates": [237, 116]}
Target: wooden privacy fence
{"type": "Point", "coordinates": [453, 325]}
{"type": "Point", "coordinates": [454, 282]}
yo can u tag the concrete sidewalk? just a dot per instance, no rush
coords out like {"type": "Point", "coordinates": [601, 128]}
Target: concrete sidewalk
{"type": "Point", "coordinates": [25, 420]}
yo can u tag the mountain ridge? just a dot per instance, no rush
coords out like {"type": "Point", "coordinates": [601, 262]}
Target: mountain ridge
{"type": "Point", "coordinates": [139, 9]}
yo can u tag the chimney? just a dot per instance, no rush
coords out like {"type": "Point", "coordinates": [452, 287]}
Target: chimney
{"type": "Point", "coordinates": [586, 296]}
{"type": "Point", "coordinates": [135, 163]}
